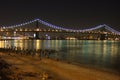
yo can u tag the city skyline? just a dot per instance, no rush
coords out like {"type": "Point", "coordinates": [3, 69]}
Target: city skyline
{"type": "Point", "coordinates": [69, 14]}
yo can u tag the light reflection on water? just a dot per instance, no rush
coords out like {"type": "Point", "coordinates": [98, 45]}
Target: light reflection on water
{"type": "Point", "coordinates": [104, 54]}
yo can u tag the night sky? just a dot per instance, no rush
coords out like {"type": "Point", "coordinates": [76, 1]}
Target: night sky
{"type": "Point", "coordinates": [68, 13]}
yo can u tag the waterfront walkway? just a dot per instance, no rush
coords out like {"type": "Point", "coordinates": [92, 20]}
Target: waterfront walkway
{"type": "Point", "coordinates": [34, 68]}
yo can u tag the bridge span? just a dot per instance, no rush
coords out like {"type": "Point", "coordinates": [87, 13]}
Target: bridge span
{"type": "Point", "coordinates": [39, 29]}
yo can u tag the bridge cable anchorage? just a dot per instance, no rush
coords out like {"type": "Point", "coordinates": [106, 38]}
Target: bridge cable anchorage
{"type": "Point", "coordinates": [62, 28]}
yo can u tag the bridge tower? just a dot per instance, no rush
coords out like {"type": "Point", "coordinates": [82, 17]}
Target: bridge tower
{"type": "Point", "coordinates": [103, 34]}
{"type": "Point", "coordinates": [36, 35]}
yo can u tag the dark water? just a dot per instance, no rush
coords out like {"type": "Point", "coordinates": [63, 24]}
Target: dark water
{"type": "Point", "coordinates": [101, 54]}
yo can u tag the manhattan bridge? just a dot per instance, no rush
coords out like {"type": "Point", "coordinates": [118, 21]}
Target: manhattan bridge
{"type": "Point", "coordinates": [39, 29]}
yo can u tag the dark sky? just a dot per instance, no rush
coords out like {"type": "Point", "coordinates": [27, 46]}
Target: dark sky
{"type": "Point", "coordinates": [67, 13]}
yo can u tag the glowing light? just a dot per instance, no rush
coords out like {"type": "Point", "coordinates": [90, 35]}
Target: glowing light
{"type": "Point", "coordinates": [34, 35]}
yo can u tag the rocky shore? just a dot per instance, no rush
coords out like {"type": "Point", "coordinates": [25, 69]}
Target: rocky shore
{"type": "Point", "coordinates": [9, 72]}
{"type": "Point", "coordinates": [4, 70]}
{"type": "Point", "coordinates": [22, 67]}
{"type": "Point", "coordinates": [13, 69]}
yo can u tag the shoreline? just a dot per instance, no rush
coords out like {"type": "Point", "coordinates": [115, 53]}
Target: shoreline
{"type": "Point", "coordinates": [58, 70]}
{"type": "Point", "coordinates": [97, 71]}
{"type": "Point", "coordinates": [19, 70]}
{"type": "Point", "coordinates": [109, 70]}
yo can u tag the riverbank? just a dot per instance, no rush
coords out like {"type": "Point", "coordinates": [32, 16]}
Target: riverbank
{"type": "Point", "coordinates": [34, 68]}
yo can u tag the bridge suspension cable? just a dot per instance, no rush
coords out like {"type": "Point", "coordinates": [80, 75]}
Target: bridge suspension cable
{"type": "Point", "coordinates": [62, 28]}
{"type": "Point", "coordinates": [18, 25]}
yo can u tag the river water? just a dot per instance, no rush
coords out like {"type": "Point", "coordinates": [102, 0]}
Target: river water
{"type": "Point", "coordinates": [94, 53]}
